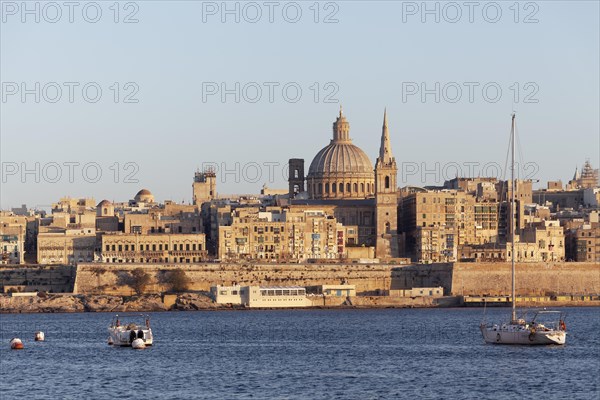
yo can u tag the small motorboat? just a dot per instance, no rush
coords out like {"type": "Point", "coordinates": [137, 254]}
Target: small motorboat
{"type": "Point", "coordinates": [125, 334]}
{"type": "Point", "coordinates": [39, 336]}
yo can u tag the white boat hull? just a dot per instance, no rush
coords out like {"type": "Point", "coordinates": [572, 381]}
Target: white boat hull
{"type": "Point", "coordinates": [518, 335]}
{"type": "Point", "coordinates": [120, 336]}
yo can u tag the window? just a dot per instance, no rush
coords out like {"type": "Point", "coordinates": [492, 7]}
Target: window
{"type": "Point", "coordinates": [356, 188]}
{"type": "Point", "coordinates": [341, 188]}
{"type": "Point", "coordinates": [327, 188]}
{"type": "Point", "coordinates": [348, 188]}
{"type": "Point", "coordinates": [387, 182]}
{"type": "Point", "coordinates": [362, 187]}
{"type": "Point", "coordinates": [120, 247]}
{"type": "Point", "coordinates": [187, 247]}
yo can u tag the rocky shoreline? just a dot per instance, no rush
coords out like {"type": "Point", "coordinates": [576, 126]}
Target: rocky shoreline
{"type": "Point", "coordinates": [192, 301]}
{"type": "Point", "coordinates": [64, 303]}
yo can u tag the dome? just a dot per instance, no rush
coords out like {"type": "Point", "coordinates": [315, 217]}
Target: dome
{"type": "Point", "coordinates": [341, 169]}
{"type": "Point", "coordinates": [340, 158]}
{"type": "Point", "coordinates": [144, 196]}
{"type": "Point", "coordinates": [104, 203]}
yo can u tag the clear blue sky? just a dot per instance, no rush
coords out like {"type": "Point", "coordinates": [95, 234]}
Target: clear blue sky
{"type": "Point", "coordinates": [373, 55]}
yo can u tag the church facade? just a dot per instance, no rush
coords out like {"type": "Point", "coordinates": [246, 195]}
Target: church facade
{"type": "Point", "coordinates": [341, 175]}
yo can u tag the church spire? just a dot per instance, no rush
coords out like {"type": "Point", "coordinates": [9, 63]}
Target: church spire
{"type": "Point", "coordinates": [385, 150]}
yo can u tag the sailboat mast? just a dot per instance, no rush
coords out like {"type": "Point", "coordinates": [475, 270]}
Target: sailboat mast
{"type": "Point", "coordinates": [512, 215]}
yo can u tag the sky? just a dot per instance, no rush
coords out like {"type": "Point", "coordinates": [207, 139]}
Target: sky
{"type": "Point", "coordinates": [101, 99]}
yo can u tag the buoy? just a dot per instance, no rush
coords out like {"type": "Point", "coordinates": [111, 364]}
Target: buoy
{"type": "Point", "coordinates": [16, 344]}
{"type": "Point", "coordinates": [39, 336]}
{"type": "Point", "coordinates": [138, 344]}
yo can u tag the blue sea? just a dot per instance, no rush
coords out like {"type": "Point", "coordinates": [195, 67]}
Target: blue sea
{"type": "Point", "coordinates": [297, 354]}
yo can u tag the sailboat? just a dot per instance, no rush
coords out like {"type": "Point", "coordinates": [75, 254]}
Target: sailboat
{"type": "Point", "coordinates": [540, 330]}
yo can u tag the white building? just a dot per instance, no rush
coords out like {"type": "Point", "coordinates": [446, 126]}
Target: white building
{"type": "Point", "coordinates": [261, 296]}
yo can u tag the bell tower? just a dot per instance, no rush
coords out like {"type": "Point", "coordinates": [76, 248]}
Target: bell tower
{"type": "Point", "coordinates": [386, 198]}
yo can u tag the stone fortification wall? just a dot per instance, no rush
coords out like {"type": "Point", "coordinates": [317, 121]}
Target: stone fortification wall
{"type": "Point", "coordinates": [31, 278]}
{"type": "Point", "coordinates": [457, 279]}
{"type": "Point", "coordinates": [531, 278]}
{"type": "Point", "coordinates": [112, 278]}
{"type": "Point", "coordinates": [534, 279]}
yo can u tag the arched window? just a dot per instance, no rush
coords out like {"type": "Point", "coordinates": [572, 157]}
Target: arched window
{"type": "Point", "coordinates": [368, 188]}
{"type": "Point", "coordinates": [341, 188]}
{"type": "Point", "coordinates": [387, 227]}
{"type": "Point", "coordinates": [348, 186]}
{"type": "Point", "coordinates": [327, 188]}
{"type": "Point", "coordinates": [296, 173]}
{"type": "Point", "coordinates": [362, 187]}
{"type": "Point", "coordinates": [387, 182]}
{"type": "Point", "coordinates": [320, 188]}
{"type": "Point", "coordinates": [333, 187]}
{"type": "Point", "coordinates": [105, 210]}
{"type": "Point", "coordinates": [356, 188]}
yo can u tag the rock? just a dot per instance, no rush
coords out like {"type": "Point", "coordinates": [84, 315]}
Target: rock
{"type": "Point", "coordinates": [101, 303]}
{"type": "Point", "coordinates": [194, 301]}
{"type": "Point", "coordinates": [144, 303]}
{"type": "Point", "coordinates": [52, 303]}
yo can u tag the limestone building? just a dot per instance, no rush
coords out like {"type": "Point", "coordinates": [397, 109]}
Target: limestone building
{"type": "Point", "coordinates": [13, 231]}
{"type": "Point", "coordinates": [66, 246]}
{"type": "Point", "coordinates": [282, 234]}
{"type": "Point", "coordinates": [168, 248]}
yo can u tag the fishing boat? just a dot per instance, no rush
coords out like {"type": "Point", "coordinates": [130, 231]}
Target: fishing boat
{"type": "Point", "coordinates": [519, 330]}
{"type": "Point", "coordinates": [130, 334]}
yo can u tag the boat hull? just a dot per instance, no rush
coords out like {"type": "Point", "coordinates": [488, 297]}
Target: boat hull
{"type": "Point", "coordinates": [124, 337]}
{"type": "Point", "coordinates": [523, 336]}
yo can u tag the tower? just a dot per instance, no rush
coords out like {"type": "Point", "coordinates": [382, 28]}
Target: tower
{"type": "Point", "coordinates": [386, 198]}
{"type": "Point", "coordinates": [296, 176]}
{"type": "Point", "coordinates": [205, 186]}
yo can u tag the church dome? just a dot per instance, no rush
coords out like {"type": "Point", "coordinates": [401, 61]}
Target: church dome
{"type": "Point", "coordinates": [341, 169]}
{"type": "Point", "coordinates": [340, 158]}
{"type": "Point", "coordinates": [144, 196]}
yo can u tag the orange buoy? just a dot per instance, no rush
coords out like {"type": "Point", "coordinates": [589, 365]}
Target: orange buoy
{"type": "Point", "coordinates": [16, 344]}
